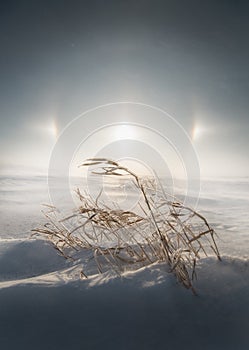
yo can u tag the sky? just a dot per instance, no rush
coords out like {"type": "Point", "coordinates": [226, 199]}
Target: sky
{"type": "Point", "coordinates": [62, 58]}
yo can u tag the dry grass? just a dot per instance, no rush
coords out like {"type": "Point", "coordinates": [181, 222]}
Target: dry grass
{"type": "Point", "coordinates": [160, 228]}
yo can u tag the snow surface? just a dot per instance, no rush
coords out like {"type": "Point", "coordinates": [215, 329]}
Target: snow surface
{"type": "Point", "coordinates": [45, 305]}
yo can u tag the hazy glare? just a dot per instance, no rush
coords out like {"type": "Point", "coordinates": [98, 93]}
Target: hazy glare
{"type": "Point", "coordinates": [60, 58]}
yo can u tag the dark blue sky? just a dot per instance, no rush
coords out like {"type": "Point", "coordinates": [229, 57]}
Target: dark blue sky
{"type": "Point", "coordinates": [59, 58]}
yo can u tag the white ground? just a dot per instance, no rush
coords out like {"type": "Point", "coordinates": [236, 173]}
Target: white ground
{"type": "Point", "coordinates": [44, 304]}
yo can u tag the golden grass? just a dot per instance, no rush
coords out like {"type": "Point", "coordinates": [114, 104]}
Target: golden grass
{"type": "Point", "coordinates": [159, 229]}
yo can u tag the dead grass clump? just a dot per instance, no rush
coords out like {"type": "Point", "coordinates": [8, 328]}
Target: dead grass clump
{"type": "Point", "coordinates": [159, 228]}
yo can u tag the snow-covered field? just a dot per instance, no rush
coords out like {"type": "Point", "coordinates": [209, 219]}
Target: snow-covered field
{"type": "Point", "coordinates": [44, 304]}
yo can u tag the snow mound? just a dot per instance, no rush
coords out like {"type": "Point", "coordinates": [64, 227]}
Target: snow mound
{"type": "Point", "coordinates": [28, 258]}
{"type": "Point", "coordinates": [143, 309]}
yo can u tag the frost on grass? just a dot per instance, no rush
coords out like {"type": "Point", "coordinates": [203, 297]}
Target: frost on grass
{"type": "Point", "coordinates": [159, 228]}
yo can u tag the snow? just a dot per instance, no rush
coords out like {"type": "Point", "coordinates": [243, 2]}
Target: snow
{"type": "Point", "coordinates": [45, 305]}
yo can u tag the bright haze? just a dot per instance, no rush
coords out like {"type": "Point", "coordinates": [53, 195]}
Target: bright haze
{"type": "Point", "coordinates": [61, 58]}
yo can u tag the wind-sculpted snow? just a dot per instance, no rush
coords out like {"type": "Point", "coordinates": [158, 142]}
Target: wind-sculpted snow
{"type": "Point", "coordinates": [45, 305]}
{"type": "Point", "coordinates": [144, 309]}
